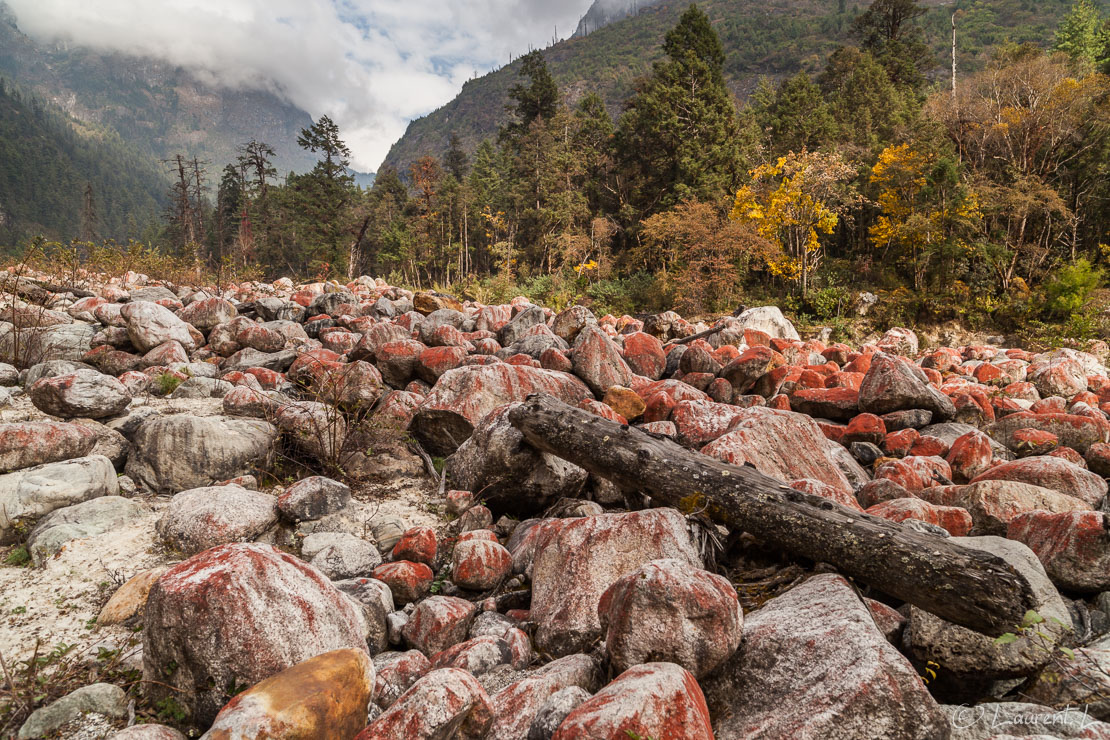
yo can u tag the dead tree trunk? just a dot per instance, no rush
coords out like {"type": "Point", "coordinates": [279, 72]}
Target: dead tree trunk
{"type": "Point", "coordinates": [969, 587]}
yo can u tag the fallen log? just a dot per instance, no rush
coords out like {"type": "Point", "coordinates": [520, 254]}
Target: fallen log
{"type": "Point", "coordinates": [969, 587]}
{"type": "Point", "coordinates": [700, 335]}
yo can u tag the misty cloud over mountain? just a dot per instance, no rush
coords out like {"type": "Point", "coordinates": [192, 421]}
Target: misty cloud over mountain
{"type": "Point", "coordinates": [370, 64]}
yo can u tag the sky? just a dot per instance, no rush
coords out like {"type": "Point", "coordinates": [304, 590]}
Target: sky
{"type": "Point", "coordinates": [372, 65]}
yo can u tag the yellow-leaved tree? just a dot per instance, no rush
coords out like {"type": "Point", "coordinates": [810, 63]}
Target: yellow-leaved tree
{"type": "Point", "coordinates": [926, 212]}
{"type": "Point", "coordinates": [791, 203]}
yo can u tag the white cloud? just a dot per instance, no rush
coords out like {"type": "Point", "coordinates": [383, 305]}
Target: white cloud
{"type": "Point", "coordinates": [372, 65]}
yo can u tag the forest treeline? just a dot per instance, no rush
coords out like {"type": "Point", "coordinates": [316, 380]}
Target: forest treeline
{"type": "Point", "coordinates": [962, 195]}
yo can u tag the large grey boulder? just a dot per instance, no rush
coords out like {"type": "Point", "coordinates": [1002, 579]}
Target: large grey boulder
{"type": "Point", "coordinates": [149, 325]}
{"type": "Point", "coordinates": [90, 518]}
{"type": "Point", "coordinates": [814, 665]}
{"type": "Point", "coordinates": [202, 518]}
{"type": "Point", "coordinates": [29, 494]}
{"type": "Point", "coordinates": [894, 384]}
{"type": "Point", "coordinates": [178, 452]}
{"type": "Point", "coordinates": [26, 347]}
{"type": "Point", "coordinates": [85, 393]}
{"type": "Point", "coordinates": [101, 698]}
{"type": "Point", "coordinates": [768, 319]}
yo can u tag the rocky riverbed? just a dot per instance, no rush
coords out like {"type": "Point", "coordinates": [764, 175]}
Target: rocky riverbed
{"type": "Point", "coordinates": [303, 511]}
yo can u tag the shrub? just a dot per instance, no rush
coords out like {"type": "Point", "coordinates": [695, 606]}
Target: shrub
{"type": "Point", "coordinates": [1071, 287]}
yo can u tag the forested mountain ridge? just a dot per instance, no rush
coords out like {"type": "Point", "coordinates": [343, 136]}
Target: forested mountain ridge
{"type": "Point", "coordinates": [773, 38]}
{"type": "Point", "coordinates": [158, 109]}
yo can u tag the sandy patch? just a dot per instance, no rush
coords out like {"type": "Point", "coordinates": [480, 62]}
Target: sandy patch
{"type": "Point", "coordinates": [59, 602]}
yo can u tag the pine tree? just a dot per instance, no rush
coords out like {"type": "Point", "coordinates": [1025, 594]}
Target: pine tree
{"type": "Point", "coordinates": [229, 205]}
{"type": "Point", "coordinates": [89, 221]}
{"type": "Point", "coordinates": [538, 99]}
{"type": "Point", "coordinates": [1083, 35]}
{"type": "Point", "coordinates": [678, 138]}
{"type": "Point", "coordinates": [888, 31]}
{"type": "Point", "coordinates": [256, 157]}
{"type": "Point", "coordinates": [797, 117]}
{"type": "Point", "coordinates": [455, 161]}
{"type": "Point", "coordinates": [321, 197]}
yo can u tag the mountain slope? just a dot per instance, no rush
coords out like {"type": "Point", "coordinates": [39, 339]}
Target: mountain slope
{"type": "Point", "coordinates": [775, 38]}
{"type": "Point", "coordinates": [158, 109]}
{"type": "Point", "coordinates": [46, 163]}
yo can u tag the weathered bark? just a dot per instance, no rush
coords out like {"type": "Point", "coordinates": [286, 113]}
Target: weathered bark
{"type": "Point", "coordinates": [971, 588]}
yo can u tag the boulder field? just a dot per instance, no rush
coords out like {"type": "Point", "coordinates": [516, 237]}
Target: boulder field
{"type": "Point", "coordinates": [323, 523]}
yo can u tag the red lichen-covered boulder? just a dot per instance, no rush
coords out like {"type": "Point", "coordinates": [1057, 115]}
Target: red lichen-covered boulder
{"type": "Point", "coordinates": [396, 360]}
{"type": "Point", "coordinates": [1072, 430]}
{"type": "Point", "coordinates": [553, 359]}
{"type": "Point", "coordinates": [600, 409]}
{"type": "Point", "coordinates": [649, 700]}
{"type": "Point", "coordinates": [838, 404]}
{"type": "Point", "coordinates": [955, 520]}
{"type": "Point", "coordinates": [446, 703]}
{"type": "Point", "coordinates": [438, 622]}
{"type": "Point", "coordinates": [969, 456]}
{"type": "Point", "coordinates": [206, 313]}
{"type": "Point", "coordinates": [478, 565]}
{"type": "Point", "coordinates": [878, 490]}
{"type": "Point", "coordinates": [476, 656]}
{"type": "Point", "coordinates": [644, 354]}
{"type": "Point", "coordinates": [899, 444]}
{"type": "Point", "coordinates": [166, 353]}
{"type": "Point", "coordinates": [750, 366]}
{"type": "Point", "coordinates": [929, 446]}
{"type": "Point", "coordinates": [779, 444]}
{"type": "Point", "coordinates": [1057, 375]}
{"type": "Point", "coordinates": [1067, 453]}
{"type": "Point", "coordinates": [668, 611]}
{"type": "Point", "coordinates": [915, 473]}
{"type": "Point", "coordinates": [29, 443]}
{"type": "Point", "coordinates": [433, 362]}
{"type": "Point", "coordinates": [407, 581]}
{"type": "Point", "coordinates": [1051, 472]}
{"type": "Point", "coordinates": [235, 615]}
{"type": "Point", "coordinates": [1073, 546]}
{"type": "Point", "coordinates": [462, 397]}
{"type": "Point", "coordinates": [418, 545]}
{"type": "Point", "coordinates": [516, 705]}
{"type": "Point", "coordinates": [576, 560]}
{"type": "Point", "coordinates": [324, 696]}
{"type": "Point", "coordinates": [1033, 442]}
{"type": "Point", "coordinates": [699, 422]}
{"type": "Point", "coordinates": [396, 672]}
{"type": "Point", "coordinates": [813, 664]}
{"type": "Point", "coordinates": [864, 428]}
{"type": "Point", "coordinates": [598, 362]}
{"type": "Point", "coordinates": [1097, 458]}
{"type": "Point", "coordinates": [993, 503]}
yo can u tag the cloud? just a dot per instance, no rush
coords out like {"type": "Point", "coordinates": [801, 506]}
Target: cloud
{"type": "Point", "coordinates": [372, 65]}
